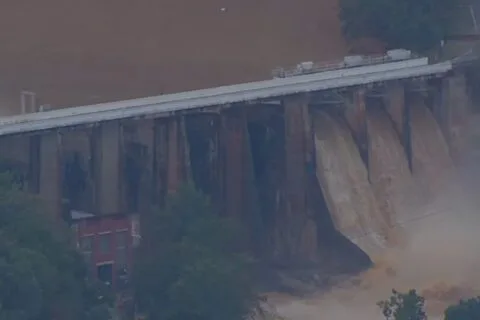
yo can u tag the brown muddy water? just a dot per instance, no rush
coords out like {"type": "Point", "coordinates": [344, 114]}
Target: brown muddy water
{"type": "Point", "coordinates": [434, 209]}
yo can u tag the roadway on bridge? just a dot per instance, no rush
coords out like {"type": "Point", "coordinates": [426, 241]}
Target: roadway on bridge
{"type": "Point", "coordinates": [166, 104]}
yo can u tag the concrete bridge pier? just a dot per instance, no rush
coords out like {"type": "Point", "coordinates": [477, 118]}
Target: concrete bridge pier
{"type": "Point", "coordinates": [108, 173]}
{"type": "Point", "coordinates": [451, 105]}
{"type": "Point", "coordinates": [77, 169]}
{"type": "Point", "coordinates": [398, 106]}
{"type": "Point", "coordinates": [160, 161]}
{"type": "Point", "coordinates": [301, 240]}
{"type": "Point", "coordinates": [146, 141]}
{"type": "Point", "coordinates": [266, 180]}
{"type": "Point", "coordinates": [166, 158]}
{"type": "Point", "coordinates": [138, 165]}
{"type": "Point", "coordinates": [34, 164]}
{"type": "Point", "coordinates": [455, 104]}
{"type": "Point", "coordinates": [436, 103]}
{"type": "Point", "coordinates": [169, 156]}
{"type": "Point", "coordinates": [356, 117]}
{"type": "Point", "coordinates": [237, 161]}
{"type": "Point", "coordinates": [204, 133]}
{"type": "Point", "coordinates": [51, 172]}
{"type": "Point", "coordinates": [178, 154]}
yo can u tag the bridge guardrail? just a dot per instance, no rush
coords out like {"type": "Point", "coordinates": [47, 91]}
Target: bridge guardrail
{"type": "Point", "coordinates": [317, 67]}
{"type": "Point", "coordinates": [166, 104]}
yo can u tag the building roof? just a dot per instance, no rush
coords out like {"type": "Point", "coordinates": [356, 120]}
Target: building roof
{"type": "Point", "coordinates": [80, 215]}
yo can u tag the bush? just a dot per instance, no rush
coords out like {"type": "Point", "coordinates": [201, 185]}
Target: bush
{"type": "Point", "coordinates": [464, 310]}
{"type": "Point", "coordinates": [41, 274]}
{"type": "Point", "coordinates": [410, 306]}
{"type": "Point", "coordinates": [403, 306]}
{"type": "Point", "coordinates": [190, 264]}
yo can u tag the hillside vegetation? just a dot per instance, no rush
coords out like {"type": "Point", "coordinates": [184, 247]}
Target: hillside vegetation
{"type": "Point", "coordinates": [418, 25]}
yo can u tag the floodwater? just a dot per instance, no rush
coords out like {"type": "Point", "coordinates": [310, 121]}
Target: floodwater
{"type": "Point", "coordinates": [434, 209]}
{"type": "Point", "coordinates": [344, 182]}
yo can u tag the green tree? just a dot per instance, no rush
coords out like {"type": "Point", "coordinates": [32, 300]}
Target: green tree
{"type": "Point", "coordinates": [417, 25]}
{"type": "Point", "coordinates": [403, 306]}
{"type": "Point", "coordinates": [190, 264]}
{"type": "Point", "coordinates": [464, 310]}
{"type": "Point", "coordinates": [42, 277]}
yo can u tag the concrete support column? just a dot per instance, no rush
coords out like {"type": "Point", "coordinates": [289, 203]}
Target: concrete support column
{"type": "Point", "coordinates": [34, 164]}
{"type": "Point", "coordinates": [356, 117]}
{"type": "Point", "coordinates": [51, 172]}
{"type": "Point", "coordinates": [237, 178]}
{"type": "Point", "coordinates": [438, 96]}
{"type": "Point", "coordinates": [146, 137]}
{"type": "Point", "coordinates": [398, 108]}
{"type": "Point", "coordinates": [456, 108]}
{"type": "Point", "coordinates": [178, 159]}
{"type": "Point", "coordinates": [203, 136]}
{"type": "Point", "coordinates": [160, 161]}
{"type": "Point", "coordinates": [296, 152]}
{"type": "Point", "coordinates": [235, 171]}
{"type": "Point", "coordinates": [395, 104]}
{"type": "Point", "coordinates": [171, 158]}
{"type": "Point", "coordinates": [78, 182]}
{"type": "Point", "coordinates": [108, 163]}
{"type": "Point", "coordinates": [174, 164]}
{"type": "Point", "coordinates": [302, 232]}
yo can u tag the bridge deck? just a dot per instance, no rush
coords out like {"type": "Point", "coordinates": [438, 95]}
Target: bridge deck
{"type": "Point", "coordinates": [165, 104]}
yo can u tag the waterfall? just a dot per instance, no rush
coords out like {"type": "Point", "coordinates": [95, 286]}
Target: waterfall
{"type": "Point", "coordinates": [344, 181]}
{"type": "Point", "coordinates": [390, 175]}
{"type": "Point", "coordinates": [432, 164]}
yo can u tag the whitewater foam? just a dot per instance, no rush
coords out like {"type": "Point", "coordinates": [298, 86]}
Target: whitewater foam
{"type": "Point", "coordinates": [440, 257]}
{"type": "Point", "coordinates": [389, 171]}
{"type": "Point", "coordinates": [344, 181]}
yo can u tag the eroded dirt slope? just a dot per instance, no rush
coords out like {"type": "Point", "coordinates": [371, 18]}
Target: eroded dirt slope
{"type": "Point", "coordinates": [77, 52]}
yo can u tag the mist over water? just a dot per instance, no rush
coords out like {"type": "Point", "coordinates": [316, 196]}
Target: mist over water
{"type": "Point", "coordinates": [432, 164]}
{"type": "Point", "coordinates": [439, 254]}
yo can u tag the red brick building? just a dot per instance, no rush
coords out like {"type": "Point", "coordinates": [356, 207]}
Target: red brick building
{"type": "Point", "coordinates": [107, 243]}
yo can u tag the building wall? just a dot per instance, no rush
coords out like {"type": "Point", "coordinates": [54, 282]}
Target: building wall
{"type": "Point", "coordinates": [92, 234]}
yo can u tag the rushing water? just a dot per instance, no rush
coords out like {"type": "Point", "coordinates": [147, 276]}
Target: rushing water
{"type": "Point", "coordinates": [389, 172]}
{"type": "Point", "coordinates": [432, 164]}
{"type": "Point", "coordinates": [439, 257]}
{"type": "Point", "coordinates": [344, 181]}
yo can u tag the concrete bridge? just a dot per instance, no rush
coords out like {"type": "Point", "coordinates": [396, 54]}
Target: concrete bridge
{"type": "Point", "coordinates": [121, 157]}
